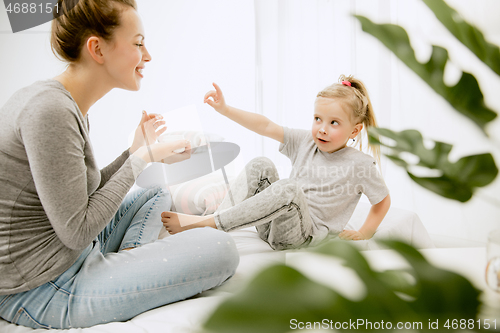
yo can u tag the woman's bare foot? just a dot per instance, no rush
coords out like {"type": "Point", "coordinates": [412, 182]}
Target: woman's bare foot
{"type": "Point", "coordinates": [177, 222]}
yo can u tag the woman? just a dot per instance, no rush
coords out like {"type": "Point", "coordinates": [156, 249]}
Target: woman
{"type": "Point", "coordinates": [63, 263]}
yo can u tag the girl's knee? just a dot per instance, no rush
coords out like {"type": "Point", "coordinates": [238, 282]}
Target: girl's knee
{"type": "Point", "coordinates": [261, 159]}
{"type": "Point", "coordinates": [262, 162]}
{"type": "Point", "coordinates": [288, 189]}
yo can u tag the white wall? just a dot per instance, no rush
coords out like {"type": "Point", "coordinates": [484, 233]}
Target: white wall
{"type": "Point", "coordinates": [192, 42]}
{"type": "Point", "coordinates": [196, 42]}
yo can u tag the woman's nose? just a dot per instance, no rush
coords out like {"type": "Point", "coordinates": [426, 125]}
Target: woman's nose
{"type": "Point", "coordinates": [146, 56]}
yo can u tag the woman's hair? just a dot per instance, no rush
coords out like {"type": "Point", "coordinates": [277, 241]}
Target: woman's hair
{"type": "Point", "coordinates": [354, 96]}
{"type": "Point", "coordinates": [79, 19]}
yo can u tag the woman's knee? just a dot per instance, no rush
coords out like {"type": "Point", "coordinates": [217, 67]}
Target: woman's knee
{"type": "Point", "coordinates": [165, 197]}
{"type": "Point", "coordinates": [156, 190]}
{"type": "Point", "coordinates": [162, 197]}
{"type": "Point", "coordinates": [224, 248]}
{"type": "Point", "coordinates": [219, 245]}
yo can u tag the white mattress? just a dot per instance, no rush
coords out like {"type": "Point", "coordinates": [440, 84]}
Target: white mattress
{"type": "Point", "coordinates": [188, 315]}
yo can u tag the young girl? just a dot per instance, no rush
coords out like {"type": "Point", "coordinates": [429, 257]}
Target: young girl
{"type": "Point", "coordinates": [325, 184]}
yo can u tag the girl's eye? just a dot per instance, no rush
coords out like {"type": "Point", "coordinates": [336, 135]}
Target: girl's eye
{"type": "Point", "coordinates": [139, 45]}
{"type": "Point", "coordinates": [335, 122]}
{"type": "Point", "coordinates": [317, 119]}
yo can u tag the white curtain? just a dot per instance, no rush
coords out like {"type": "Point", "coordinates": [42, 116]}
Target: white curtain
{"type": "Point", "coordinates": [304, 45]}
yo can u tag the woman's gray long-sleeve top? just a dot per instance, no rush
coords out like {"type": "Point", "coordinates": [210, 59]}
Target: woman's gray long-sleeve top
{"type": "Point", "coordinates": [54, 200]}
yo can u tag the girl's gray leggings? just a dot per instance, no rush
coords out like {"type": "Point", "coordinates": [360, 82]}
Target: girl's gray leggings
{"type": "Point", "coordinates": [277, 208]}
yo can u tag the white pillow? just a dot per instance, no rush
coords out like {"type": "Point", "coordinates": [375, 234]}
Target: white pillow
{"type": "Point", "coordinates": [200, 196]}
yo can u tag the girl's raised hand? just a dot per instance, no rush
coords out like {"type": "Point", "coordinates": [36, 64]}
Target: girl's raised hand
{"type": "Point", "coordinates": [215, 99]}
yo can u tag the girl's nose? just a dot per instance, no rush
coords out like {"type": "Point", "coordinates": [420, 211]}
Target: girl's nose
{"type": "Point", "coordinates": [322, 130]}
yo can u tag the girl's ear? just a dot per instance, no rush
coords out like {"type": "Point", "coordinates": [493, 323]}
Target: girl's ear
{"type": "Point", "coordinates": [94, 48]}
{"type": "Point", "coordinates": [356, 130]}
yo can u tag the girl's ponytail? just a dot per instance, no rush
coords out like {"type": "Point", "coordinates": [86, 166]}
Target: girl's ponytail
{"type": "Point", "coordinates": [371, 121]}
{"type": "Point", "coordinates": [365, 115]}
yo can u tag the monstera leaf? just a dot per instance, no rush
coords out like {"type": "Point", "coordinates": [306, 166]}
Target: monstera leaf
{"type": "Point", "coordinates": [465, 96]}
{"type": "Point", "coordinates": [280, 297]}
{"type": "Point", "coordinates": [467, 34]}
{"type": "Point", "coordinates": [456, 180]}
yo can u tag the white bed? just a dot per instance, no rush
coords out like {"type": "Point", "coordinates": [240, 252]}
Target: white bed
{"type": "Point", "coordinates": [189, 315]}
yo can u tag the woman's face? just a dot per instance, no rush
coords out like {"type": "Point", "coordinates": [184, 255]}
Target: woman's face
{"type": "Point", "coordinates": [126, 54]}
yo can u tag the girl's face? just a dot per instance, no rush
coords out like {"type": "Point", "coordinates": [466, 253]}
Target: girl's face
{"type": "Point", "coordinates": [126, 53]}
{"type": "Point", "coordinates": [332, 126]}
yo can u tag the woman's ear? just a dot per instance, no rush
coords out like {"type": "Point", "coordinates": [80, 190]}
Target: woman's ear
{"type": "Point", "coordinates": [94, 48]}
{"type": "Point", "coordinates": [356, 130]}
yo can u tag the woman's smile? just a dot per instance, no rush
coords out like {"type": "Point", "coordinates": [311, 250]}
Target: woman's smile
{"type": "Point", "coordinates": [139, 71]}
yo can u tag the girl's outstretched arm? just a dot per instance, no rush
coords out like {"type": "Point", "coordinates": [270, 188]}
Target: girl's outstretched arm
{"type": "Point", "coordinates": [253, 121]}
{"type": "Point", "coordinates": [373, 220]}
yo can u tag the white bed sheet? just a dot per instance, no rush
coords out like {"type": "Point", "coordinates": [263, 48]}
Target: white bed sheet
{"type": "Point", "coordinates": [188, 315]}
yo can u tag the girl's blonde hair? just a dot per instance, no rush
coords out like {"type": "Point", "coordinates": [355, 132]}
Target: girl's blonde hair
{"type": "Point", "coordinates": [355, 97]}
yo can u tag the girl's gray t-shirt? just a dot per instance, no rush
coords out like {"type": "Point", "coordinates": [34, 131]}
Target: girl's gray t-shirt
{"type": "Point", "coordinates": [54, 200]}
{"type": "Point", "coordinates": [332, 182]}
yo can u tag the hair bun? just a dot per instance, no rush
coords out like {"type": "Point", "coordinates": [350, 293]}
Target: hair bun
{"type": "Point", "coordinates": [77, 22]}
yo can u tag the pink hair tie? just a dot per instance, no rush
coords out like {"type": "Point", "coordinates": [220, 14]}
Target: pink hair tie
{"type": "Point", "coordinates": [346, 83]}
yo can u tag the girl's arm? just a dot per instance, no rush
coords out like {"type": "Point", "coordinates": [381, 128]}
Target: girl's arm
{"type": "Point", "coordinates": [373, 220]}
{"type": "Point", "coordinates": [254, 122]}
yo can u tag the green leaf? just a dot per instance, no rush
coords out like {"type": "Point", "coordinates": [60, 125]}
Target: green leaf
{"type": "Point", "coordinates": [280, 294]}
{"type": "Point", "coordinates": [399, 281]}
{"type": "Point", "coordinates": [274, 297]}
{"type": "Point", "coordinates": [466, 33]}
{"type": "Point", "coordinates": [437, 288]}
{"type": "Point", "coordinates": [466, 96]}
{"type": "Point", "coordinates": [456, 181]}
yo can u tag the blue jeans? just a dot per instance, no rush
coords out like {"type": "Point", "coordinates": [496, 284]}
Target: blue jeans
{"type": "Point", "coordinates": [277, 208]}
{"type": "Point", "coordinates": [104, 285]}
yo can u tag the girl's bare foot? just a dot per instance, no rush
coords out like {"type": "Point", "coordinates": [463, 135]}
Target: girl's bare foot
{"type": "Point", "coordinates": [177, 222]}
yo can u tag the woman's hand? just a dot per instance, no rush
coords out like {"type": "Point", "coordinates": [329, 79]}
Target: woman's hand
{"type": "Point", "coordinates": [352, 235]}
{"type": "Point", "coordinates": [164, 152]}
{"type": "Point", "coordinates": [179, 157]}
{"type": "Point", "coordinates": [217, 101]}
{"type": "Point", "coordinates": [148, 130]}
